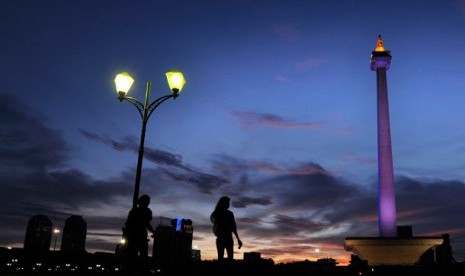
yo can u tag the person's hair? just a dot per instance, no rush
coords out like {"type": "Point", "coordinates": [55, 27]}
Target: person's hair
{"type": "Point", "coordinates": [223, 203]}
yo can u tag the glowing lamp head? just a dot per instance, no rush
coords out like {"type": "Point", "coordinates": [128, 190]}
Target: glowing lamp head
{"type": "Point", "coordinates": [176, 81]}
{"type": "Point", "coordinates": [123, 82]}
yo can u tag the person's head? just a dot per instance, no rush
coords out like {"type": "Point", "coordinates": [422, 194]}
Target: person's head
{"type": "Point", "coordinates": [144, 201]}
{"type": "Point", "coordinates": [223, 203]}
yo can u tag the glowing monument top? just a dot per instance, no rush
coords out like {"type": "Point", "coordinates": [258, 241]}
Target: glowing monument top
{"type": "Point", "coordinates": [380, 58]}
{"type": "Point", "coordinates": [379, 45]}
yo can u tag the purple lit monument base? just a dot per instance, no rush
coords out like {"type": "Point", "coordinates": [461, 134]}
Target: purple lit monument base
{"type": "Point", "coordinates": [379, 251]}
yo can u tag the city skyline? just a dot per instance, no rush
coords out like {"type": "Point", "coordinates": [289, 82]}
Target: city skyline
{"type": "Point", "coordinates": [278, 112]}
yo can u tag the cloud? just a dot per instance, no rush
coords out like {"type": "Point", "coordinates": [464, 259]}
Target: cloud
{"type": "Point", "coordinates": [205, 183]}
{"type": "Point", "coordinates": [317, 190]}
{"type": "Point", "coordinates": [253, 120]}
{"type": "Point", "coordinates": [229, 165]}
{"type": "Point", "coordinates": [36, 180]}
{"type": "Point", "coordinates": [172, 163]}
{"type": "Point", "coordinates": [245, 201]}
{"type": "Point", "coordinates": [27, 143]}
{"type": "Point", "coordinates": [286, 31]}
{"type": "Point", "coordinates": [313, 62]}
{"type": "Point", "coordinates": [131, 143]}
{"type": "Point", "coordinates": [283, 78]}
{"type": "Point", "coordinates": [437, 199]}
{"type": "Point", "coordinates": [352, 157]}
{"type": "Point", "coordinates": [277, 205]}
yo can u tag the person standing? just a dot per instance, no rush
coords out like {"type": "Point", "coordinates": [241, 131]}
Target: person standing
{"type": "Point", "coordinates": [224, 226]}
{"type": "Point", "coordinates": [136, 226]}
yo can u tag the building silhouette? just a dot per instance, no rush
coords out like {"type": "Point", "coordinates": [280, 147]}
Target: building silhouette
{"type": "Point", "coordinates": [183, 239]}
{"type": "Point", "coordinates": [252, 257]}
{"type": "Point", "coordinates": [38, 234]}
{"type": "Point", "coordinates": [196, 255]}
{"type": "Point", "coordinates": [73, 240]}
{"type": "Point", "coordinates": [172, 244]}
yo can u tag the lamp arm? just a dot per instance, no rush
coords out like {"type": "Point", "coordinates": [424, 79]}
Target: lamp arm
{"type": "Point", "coordinates": [158, 102]}
{"type": "Point", "coordinates": [137, 104]}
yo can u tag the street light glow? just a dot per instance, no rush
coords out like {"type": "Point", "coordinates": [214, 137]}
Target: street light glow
{"type": "Point", "coordinates": [176, 81]}
{"type": "Point", "coordinates": [123, 83]}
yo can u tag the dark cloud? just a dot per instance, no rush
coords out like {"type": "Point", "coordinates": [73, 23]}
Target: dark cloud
{"type": "Point", "coordinates": [304, 191]}
{"type": "Point", "coordinates": [244, 201]}
{"type": "Point", "coordinates": [131, 143]}
{"type": "Point", "coordinates": [228, 165]}
{"type": "Point", "coordinates": [431, 205]}
{"type": "Point", "coordinates": [205, 183]}
{"type": "Point", "coordinates": [291, 225]}
{"type": "Point", "coordinates": [298, 204]}
{"type": "Point", "coordinates": [34, 176]}
{"type": "Point", "coordinates": [27, 143]}
{"type": "Point", "coordinates": [172, 163]}
{"type": "Point", "coordinates": [253, 120]}
{"type": "Point", "coordinates": [318, 202]}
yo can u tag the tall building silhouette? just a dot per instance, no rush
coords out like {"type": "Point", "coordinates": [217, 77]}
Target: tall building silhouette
{"type": "Point", "coordinates": [73, 240]}
{"type": "Point", "coordinates": [38, 234]}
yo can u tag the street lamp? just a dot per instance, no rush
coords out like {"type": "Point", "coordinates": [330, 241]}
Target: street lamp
{"type": "Point", "coordinates": [123, 83]}
{"type": "Point", "coordinates": [56, 231]}
{"type": "Point", "coordinates": [317, 252]}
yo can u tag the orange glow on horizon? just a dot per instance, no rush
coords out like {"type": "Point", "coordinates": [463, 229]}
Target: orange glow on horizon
{"type": "Point", "coordinates": [281, 255]}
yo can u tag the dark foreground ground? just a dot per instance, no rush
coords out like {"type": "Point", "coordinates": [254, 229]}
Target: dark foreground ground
{"type": "Point", "coordinates": [293, 269]}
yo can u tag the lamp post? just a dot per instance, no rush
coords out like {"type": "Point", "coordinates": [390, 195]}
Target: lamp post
{"type": "Point", "coordinates": [123, 83]}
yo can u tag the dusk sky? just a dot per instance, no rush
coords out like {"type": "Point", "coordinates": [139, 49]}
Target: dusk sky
{"type": "Point", "coordinates": [278, 113]}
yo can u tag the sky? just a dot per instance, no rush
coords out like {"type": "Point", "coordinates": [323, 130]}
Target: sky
{"type": "Point", "coordinates": [278, 112]}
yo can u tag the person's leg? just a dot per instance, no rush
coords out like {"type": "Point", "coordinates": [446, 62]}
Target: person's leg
{"type": "Point", "coordinates": [230, 251]}
{"type": "Point", "coordinates": [229, 245]}
{"type": "Point", "coordinates": [220, 249]}
{"type": "Point", "coordinates": [143, 251]}
{"type": "Point", "coordinates": [130, 257]}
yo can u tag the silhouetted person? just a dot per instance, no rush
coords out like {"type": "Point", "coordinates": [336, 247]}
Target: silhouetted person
{"type": "Point", "coordinates": [137, 224]}
{"type": "Point", "coordinates": [224, 226]}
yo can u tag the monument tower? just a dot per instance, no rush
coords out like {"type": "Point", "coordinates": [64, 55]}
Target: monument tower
{"type": "Point", "coordinates": [387, 218]}
{"type": "Point", "coordinates": [388, 248]}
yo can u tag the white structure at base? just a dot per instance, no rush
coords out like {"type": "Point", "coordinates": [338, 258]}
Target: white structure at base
{"type": "Point", "coordinates": [391, 251]}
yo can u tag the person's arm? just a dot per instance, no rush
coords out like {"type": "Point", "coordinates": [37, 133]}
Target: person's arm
{"type": "Point", "coordinates": [234, 230]}
{"type": "Point", "coordinates": [239, 242]}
